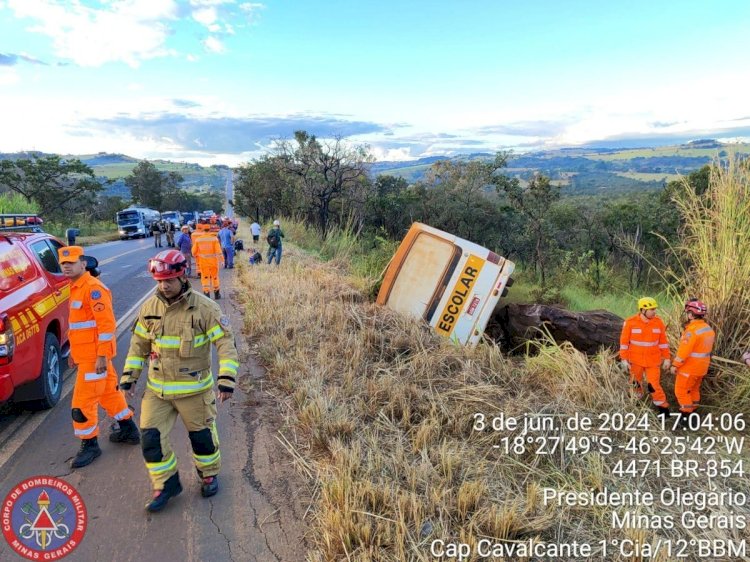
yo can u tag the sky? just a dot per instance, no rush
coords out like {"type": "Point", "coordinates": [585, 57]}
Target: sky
{"type": "Point", "coordinates": [220, 81]}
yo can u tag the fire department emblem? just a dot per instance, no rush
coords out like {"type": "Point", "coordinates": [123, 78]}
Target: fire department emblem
{"type": "Point", "coordinates": [43, 518]}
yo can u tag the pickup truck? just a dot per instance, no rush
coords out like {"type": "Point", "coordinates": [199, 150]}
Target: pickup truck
{"type": "Point", "coordinates": [33, 315]}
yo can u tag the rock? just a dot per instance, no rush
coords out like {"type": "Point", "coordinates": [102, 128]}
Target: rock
{"type": "Point", "coordinates": [586, 331]}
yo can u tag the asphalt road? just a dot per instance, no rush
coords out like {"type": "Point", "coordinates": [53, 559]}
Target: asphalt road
{"type": "Point", "coordinates": [115, 487]}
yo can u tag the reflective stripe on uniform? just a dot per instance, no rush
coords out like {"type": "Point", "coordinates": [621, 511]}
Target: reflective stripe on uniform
{"type": "Point", "coordinates": [123, 414]}
{"type": "Point", "coordinates": [76, 304]}
{"type": "Point", "coordinates": [163, 466]}
{"type": "Point", "coordinates": [215, 333]}
{"type": "Point", "coordinates": [199, 340]}
{"type": "Point", "coordinates": [635, 331]}
{"type": "Point", "coordinates": [86, 430]}
{"type": "Point", "coordinates": [94, 376]}
{"type": "Point", "coordinates": [704, 330]}
{"type": "Point", "coordinates": [229, 366]}
{"type": "Point", "coordinates": [83, 325]}
{"type": "Point", "coordinates": [106, 337]}
{"type": "Point", "coordinates": [644, 343]}
{"type": "Point", "coordinates": [134, 362]}
{"type": "Point", "coordinates": [664, 346]}
{"type": "Point", "coordinates": [206, 460]}
{"type": "Point", "coordinates": [699, 355]}
{"type": "Point", "coordinates": [168, 342]}
{"type": "Point", "coordinates": [624, 346]}
{"type": "Point", "coordinates": [140, 330]}
{"type": "Point", "coordinates": [181, 387]}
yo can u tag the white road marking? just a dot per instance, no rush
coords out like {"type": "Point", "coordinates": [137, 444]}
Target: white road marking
{"type": "Point", "coordinates": [22, 428]}
{"type": "Point", "coordinates": [113, 258]}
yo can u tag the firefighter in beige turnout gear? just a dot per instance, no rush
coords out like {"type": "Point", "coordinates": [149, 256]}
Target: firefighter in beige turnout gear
{"type": "Point", "coordinates": [174, 330]}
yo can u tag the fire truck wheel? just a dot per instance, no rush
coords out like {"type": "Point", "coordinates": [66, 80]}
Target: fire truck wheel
{"type": "Point", "coordinates": [50, 380]}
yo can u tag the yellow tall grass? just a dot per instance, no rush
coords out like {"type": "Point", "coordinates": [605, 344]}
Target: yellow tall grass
{"type": "Point", "coordinates": [380, 415]}
{"type": "Point", "coordinates": [714, 261]}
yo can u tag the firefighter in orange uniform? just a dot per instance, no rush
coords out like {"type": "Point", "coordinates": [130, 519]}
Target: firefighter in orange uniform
{"type": "Point", "coordinates": [92, 347]}
{"type": "Point", "coordinates": [200, 229]}
{"type": "Point", "coordinates": [644, 351]}
{"type": "Point", "coordinates": [693, 358]}
{"type": "Point", "coordinates": [207, 252]}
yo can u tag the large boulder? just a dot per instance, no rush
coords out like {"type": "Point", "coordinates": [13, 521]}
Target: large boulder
{"type": "Point", "coordinates": [513, 324]}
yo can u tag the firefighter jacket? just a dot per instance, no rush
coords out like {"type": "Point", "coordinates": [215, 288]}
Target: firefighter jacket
{"type": "Point", "coordinates": [694, 354]}
{"type": "Point", "coordinates": [207, 247]}
{"type": "Point", "coordinates": [644, 343]}
{"type": "Point", "coordinates": [92, 320]}
{"type": "Point", "coordinates": [177, 338]}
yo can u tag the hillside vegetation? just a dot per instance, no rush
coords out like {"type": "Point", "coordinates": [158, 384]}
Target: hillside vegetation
{"type": "Point", "coordinates": [392, 423]}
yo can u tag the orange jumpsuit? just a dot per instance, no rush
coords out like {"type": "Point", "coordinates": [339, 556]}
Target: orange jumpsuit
{"type": "Point", "coordinates": [643, 343]}
{"type": "Point", "coordinates": [92, 334]}
{"type": "Point", "coordinates": [207, 252]}
{"type": "Point", "coordinates": [193, 237]}
{"type": "Point", "coordinates": [692, 361]}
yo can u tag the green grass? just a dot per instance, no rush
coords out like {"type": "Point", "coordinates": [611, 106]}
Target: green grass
{"type": "Point", "coordinates": [648, 176]}
{"type": "Point", "coordinates": [124, 169]}
{"type": "Point", "coordinates": [668, 151]}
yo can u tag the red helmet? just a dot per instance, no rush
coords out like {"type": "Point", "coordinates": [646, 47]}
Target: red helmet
{"type": "Point", "coordinates": [697, 307]}
{"type": "Point", "coordinates": [167, 265]}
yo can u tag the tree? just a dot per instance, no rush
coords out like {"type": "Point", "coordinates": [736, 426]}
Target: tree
{"type": "Point", "coordinates": [262, 191]}
{"type": "Point", "coordinates": [533, 203]}
{"type": "Point", "coordinates": [145, 183]}
{"type": "Point", "coordinates": [326, 171]}
{"type": "Point", "coordinates": [57, 186]}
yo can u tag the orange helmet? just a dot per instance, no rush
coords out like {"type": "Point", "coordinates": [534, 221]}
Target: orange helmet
{"type": "Point", "coordinates": [167, 265]}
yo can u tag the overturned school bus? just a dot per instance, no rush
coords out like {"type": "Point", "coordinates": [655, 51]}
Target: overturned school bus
{"type": "Point", "coordinates": [451, 283]}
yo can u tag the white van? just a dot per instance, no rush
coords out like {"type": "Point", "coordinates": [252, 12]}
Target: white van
{"type": "Point", "coordinates": [451, 283]}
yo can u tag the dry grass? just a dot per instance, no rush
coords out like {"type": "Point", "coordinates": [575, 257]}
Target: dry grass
{"type": "Point", "coordinates": [380, 413]}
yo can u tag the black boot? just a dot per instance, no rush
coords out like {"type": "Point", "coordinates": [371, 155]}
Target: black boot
{"type": "Point", "coordinates": [172, 488]}
{"type": "Point", "coordinates": [88, 452]}
{"type": "Point", "coordinates": [217, 294]}
{"type": "Point", "coordinates": [206, 294]}
{"type": "Point", "coordinates": [663, 412]}
{"type": "Point", "coordinates": [125, 431]}
{"type": "Point", "coordinates": [210, 486]}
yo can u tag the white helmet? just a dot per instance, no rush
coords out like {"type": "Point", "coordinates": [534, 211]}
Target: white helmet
{"type": "Point", "coordinates": [276, 223]}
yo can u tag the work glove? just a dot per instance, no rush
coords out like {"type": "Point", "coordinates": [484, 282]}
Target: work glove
{"type": "Point", "coordinates": [223, 388]}
{"type": "Point", "coordinates": [625, 365]}
{"type": "Point", "coordinates": [126, 385]}
{"type": "Point", "coordinates": [666, 364]}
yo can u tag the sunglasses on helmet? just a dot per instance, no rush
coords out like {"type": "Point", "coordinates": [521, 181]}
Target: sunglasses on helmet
{"type": "Point", "coordinates": [158, 266]}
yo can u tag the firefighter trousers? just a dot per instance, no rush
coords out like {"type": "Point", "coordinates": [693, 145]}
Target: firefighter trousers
{"type": "Point", "coordinates": [209, 274]}
{"type": "Point", "coordinates": [92, 389]}
{"type": "Point", "coordinates": [687, 389]}
{"type": "Point", "coordinates": [158, 415]}
{"type": "Point", "coordinates": [651, 386]}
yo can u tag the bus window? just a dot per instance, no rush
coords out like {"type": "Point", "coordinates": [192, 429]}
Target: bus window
{"type": "Point", "coordinates": [421, 274]}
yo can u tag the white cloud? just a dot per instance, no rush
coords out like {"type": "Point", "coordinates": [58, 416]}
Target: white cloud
{"type": "Point", "coordinates": [213, 45]}
{"type": "Point", "coordinates": [205, 16]}
{"type": "Point", "coordinates": [129, 31]}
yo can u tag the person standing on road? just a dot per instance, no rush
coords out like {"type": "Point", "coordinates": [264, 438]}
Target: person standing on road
{"type": "Point", "coordinates": [156, 231]}
{"type": "Point", "coordinates": [644, 350]}
{"type": "Point", "coordinates": [692, 358]}
{"type": "Point", "coordinates": [207, 252]}
{"type": "Point", "coordinates": [226, 238]}
{"type": "Point", "coordinates": [274, 242]}
{"type": "Point", "coordinates": [185, 245]}
{"type": "Point", "coordinates": [175, 328]}
{"type": "Point", "coordinates": [170, 227]}
{"type": "Point", "coordinates": [255, 231]}
{"type": "Point", "coordinates": [92, 348]}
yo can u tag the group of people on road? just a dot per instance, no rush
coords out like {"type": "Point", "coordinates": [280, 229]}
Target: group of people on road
{"type": "Point", "coordinates": [644, 353]}
{"type": "Point", "coordinates": [166, 227]}
{"type": "Point", "coordinates": [174, 331]}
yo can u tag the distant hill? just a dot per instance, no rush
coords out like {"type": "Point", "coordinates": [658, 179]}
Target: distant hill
{"type": "Point", "coordinates": [116, 167]}
{"type": "Point", "coordinates": [593, 170]}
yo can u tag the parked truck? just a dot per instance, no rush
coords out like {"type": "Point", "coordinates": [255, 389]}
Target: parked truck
{"type": "Point", "coordinates": [135, 222]}
{"type": "Point", "coordinates": [175, 217]}
{"type": "Point", "coordinates": [450, 283]}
